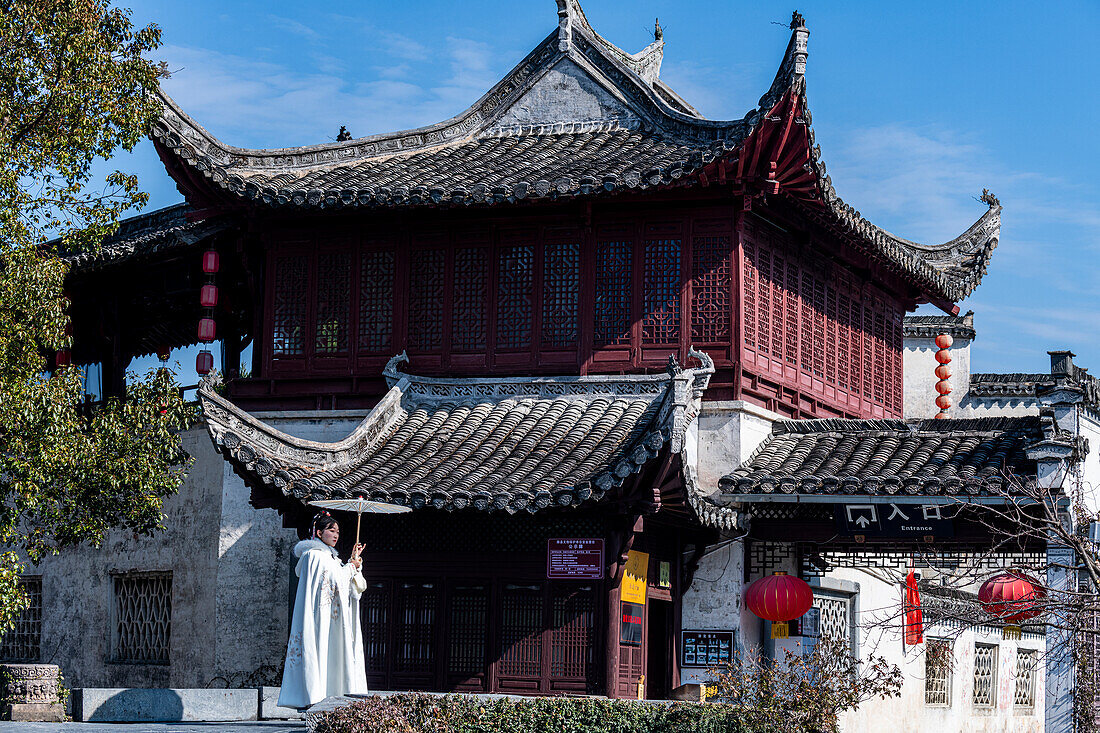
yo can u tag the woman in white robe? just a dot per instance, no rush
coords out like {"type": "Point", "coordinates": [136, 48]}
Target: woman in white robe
{"type": "Point", "coordinates": [324, 655]}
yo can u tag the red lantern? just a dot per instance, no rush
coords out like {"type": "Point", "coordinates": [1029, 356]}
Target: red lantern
{"type": "Point", "coordinates": [208, 296]}
{"type": "Point", "coordinates": [943, 371]}
{"type": "Point", "coordinates": [63, 358]}
{"type": "Point", "coordinates": [210, 261]}
{"type": "Point", "coordinates": [943, 402]}
{"type": "Point", "coordinates": [207, 330]}
{"type": "Point", "coordinates": [943, 356]}
{"type": "Point", "coordinates": [204, 362]}
{"type": "Point", "coordinates": [1011, 597]}
{"type": "Point", "coordinates": [779, 598]}
{"type": "Point", "coordinates": [944, 341]}
{"type": "Point", "coordinates": [943, 386]}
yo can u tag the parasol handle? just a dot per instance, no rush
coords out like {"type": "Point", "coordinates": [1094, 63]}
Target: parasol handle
{"type": "Point", "coordinates": [358, 521]}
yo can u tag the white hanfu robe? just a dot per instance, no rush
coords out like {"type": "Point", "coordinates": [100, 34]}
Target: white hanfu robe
{"type": "Point", "coordinates": [324, 655]}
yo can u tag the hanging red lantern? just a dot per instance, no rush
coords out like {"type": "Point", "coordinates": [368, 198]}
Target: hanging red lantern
{"type": "Point", "coordinates": [164, 352]}
{"type": "Point", "coordinates": [1012, 597]}
{"type": "Point", "coordinates": [208, 296]}
{"type": "Point", "coordinates": [204, 362]}
{"type": "Point", "coordinates": [943, 371]}
{"type": "Point", "coordinates": [779, 598]}
{"type": "Point", "coordinates": [210, 261]}
{"type": "Point", "coordinates": [943, 402]}
{"type": "Point", "coordinates": [63, 358]}
{"type": "Point", "coordinates": [943, 386]}
{"type": "Point", "coordinates": [943, 356]}
{"type": "Point", "coordinates": [207, 330]}
{"type": "Point", "coordinates": [944, 341]}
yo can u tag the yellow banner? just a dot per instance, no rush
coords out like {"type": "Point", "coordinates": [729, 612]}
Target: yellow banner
{"type": "Point", "coordinates": [634, 578]}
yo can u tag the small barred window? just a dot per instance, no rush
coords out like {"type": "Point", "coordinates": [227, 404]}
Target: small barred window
{"type": "Point", "coordinates": [985, 675]}
{"type": "Point", "coordinates": [24, 641]}
{"type": "Point", "coordinates": [937, 673]}
{"type": "Point", "coordinates": [1026, 664]}
{"type": "Point", "coordinates": [141, 618]}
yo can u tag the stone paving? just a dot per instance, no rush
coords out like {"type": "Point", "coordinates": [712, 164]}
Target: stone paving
{"type": "Point", "coordinates": [265, 726]}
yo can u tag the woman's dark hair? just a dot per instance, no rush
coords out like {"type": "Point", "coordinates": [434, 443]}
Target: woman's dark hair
{"type": "Point", "coordinates": [321, 521]}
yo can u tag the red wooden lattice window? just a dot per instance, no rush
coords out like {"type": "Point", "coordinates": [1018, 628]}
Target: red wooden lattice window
{"type": "Point", "coordinates": [291, 301]}
{"type": "Point", "coordinates": [515, 306]}
{"type": "Point", "coordinates": [427, 269]}
{"type": "Point", "coordinates": [750, 295]}
{"type": "Point", "coordinates": [333, 303]}
{"type": "Point", "coordinates": [572, 635]}
{"type": "Point", "coordinates": [521, 626]}
{"type": "Point", "coordinates": [469, 630]}
{"type": "Point", "coordinates": [661, 292]}
{"type": "Point", "coordinates": [471, 291]}
{"type": "Point", "coordinates": [414, 623]}
{"type": "Point", "coordinates": [614, 269]}
{"type": "Point", "coordinates": [560, 295]}
{"type": "Point", "coordinates": [376, 278]}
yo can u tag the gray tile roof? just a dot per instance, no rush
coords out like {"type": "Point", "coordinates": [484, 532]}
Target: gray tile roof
{"type": "Point", "coordinates": [930, 326]}
{"type": "Point", "coordinates": [146, 235]}
{"type": "Point", "coordinates": [928, 457]}
{"type": "Point", "coordinates": [518, 444]}
{"type": "Point", "coordinates": [484, 156]}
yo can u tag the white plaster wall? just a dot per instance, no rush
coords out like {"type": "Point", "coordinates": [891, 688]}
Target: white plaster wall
{"type": "Point", "coordinates": [880, 633]}
{"type": "Point", "coordinates": [919, 376]}
{"type": "Point", "coordinates": [997, 407]}
{"type": "Point", "coordinates": [728, 434]}
{"type": "Point", "coordinates": [713, 602]}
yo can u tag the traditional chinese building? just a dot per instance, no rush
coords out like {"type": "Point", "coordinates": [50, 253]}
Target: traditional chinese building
{"type": "Point", "coordinates": [576, 316]}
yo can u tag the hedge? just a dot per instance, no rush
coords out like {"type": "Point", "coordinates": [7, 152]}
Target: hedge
{"type": "Point", "coordinates": [418, 713]}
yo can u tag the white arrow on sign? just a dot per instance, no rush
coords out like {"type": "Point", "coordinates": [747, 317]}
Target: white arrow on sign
{"type": "Point", "coordinates": [863, 521]}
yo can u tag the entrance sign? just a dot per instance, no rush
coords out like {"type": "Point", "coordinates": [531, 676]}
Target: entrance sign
{"type": "Point", "coordinates": [630, 624]}
{"type": "Point", "coordinates": [706, 648]}
{"type": "Point", "coordinates": [896, 519]}
{"type": "Point", "coordinates": [635, 577]}
{"type": "Point", "coordinates": [574, 559]}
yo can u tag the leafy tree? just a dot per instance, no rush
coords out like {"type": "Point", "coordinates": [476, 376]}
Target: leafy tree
{"type": "Point", "coordinates": [75, 86]}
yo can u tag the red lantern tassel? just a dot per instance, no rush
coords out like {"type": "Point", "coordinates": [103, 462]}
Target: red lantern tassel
{"type": "Point", "coordinates": [1013, 632]}
{"type": "Point", "coordinates": [780, 630]}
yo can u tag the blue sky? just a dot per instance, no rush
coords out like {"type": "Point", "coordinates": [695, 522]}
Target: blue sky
{"type": "Point", "coordinates": [917, 108]}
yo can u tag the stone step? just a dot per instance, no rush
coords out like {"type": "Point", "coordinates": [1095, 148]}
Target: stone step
{"type": "Point", "coordinates": [150, 705]}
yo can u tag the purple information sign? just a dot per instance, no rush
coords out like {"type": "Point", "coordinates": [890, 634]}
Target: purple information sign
{"type": "Point", "coordinates": [576, 559]}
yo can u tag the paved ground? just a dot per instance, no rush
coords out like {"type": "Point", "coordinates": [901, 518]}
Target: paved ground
{"type": "Point", "coordinates": [266, 726]}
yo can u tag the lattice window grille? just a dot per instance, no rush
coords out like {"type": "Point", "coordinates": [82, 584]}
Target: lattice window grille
{"type": "Point", "coordinates": [778, 305]}
{"type": "Point", "coordinates": [764, 286]}
{"type": "Point", "coordinates": [820, 346]}
{"type": "Point", "coordinates": [767, 557]}
{"type": "Point", "coordinates": [468, 629]}
{"type": "Point", "coordinates": [427, 270]}
{"type": "Point", "coordinates": [978, 559]}
{"type": "Point", "coordinates": [750, 290]}
{"type": "Point", "coordinates": [573, 633]}
{"type": "Point", "coordinates": [792, 308]}
{"type": "Point", "coordinates": [985, 675]}
{"type": "Point", "coordinates": [1027, 662]}
{"type": "Point", "coordinates": [376, 276]}
{"type": "Point", "coordinates": [614, 267]}
{"type": "Point", "coordinates": [710, 292]}
{"type": "Point", "coordinates": [560, 295]}
{"type": "Point", "coordinates": [471, 291]}
{"type": "Point", "coordinates": [661, 292]}
{"type": "Point", "coordinates": [291, 297]}
{"type": "Point", "coordinates": [23, 642]}
{"type": "Point", "coordinates": [142, 617]}
{"type": "Point", "coordinates": [806, 332]}
{"type": "Point", "coordinates": [376, 625]}
{"type": "Point", "coordinates": [835, 620]}
{"type": "Point", "coordinates": [521, 622]}
{"type": "Point", "coordinates": [937, 673]}
{"type": "Point", "coordinates": [415, 617]}
{"type": "Point", "coordinates": [333, 303]}
{"type": "Point", "coordinates": [516, 278]}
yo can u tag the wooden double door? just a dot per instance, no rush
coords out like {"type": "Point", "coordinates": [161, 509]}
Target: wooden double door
{"type": "Point", "coordinates": [492, 634]}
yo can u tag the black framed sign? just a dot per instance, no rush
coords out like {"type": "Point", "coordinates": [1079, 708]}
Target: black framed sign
{"type": "Point", "coordinates": [630, 624]}
{"type": "Point", "coordinates": [706, 648]}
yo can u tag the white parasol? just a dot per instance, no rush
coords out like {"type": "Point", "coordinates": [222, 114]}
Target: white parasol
{"type": "Point", "coordinates": [360, 505]}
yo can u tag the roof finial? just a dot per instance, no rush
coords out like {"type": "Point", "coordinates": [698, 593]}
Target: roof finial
{"type": "Point", "coordinates": [658, 34]}
{"type": "Point", "coordinates": [797, 21]}
{"type": "Point", "coordinates": [989, 199]}
{"type": "Point", "coordinates": [343, 135]}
